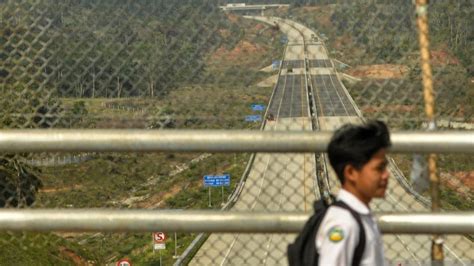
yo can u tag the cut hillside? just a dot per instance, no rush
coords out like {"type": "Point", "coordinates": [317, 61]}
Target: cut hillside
{"type": "Point", "coordinates": [210, 82]}
{"type": "Point", "coordinates": [257, 45]}
{"type": "Point", "coordinates": [382, 71]}
{"type": "Point", "coordinates": [380, 43]}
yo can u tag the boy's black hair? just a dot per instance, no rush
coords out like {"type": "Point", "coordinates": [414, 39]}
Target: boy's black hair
{"type": "Point", "coordinates": [356, 144]}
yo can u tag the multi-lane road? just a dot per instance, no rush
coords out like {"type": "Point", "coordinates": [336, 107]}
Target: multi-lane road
{"type": "Point", "coordinates": [310, 96]}
{"type": "Point", "coordinates": [276, 182]}
{"type": "Point", "coordinates": [334, 107]}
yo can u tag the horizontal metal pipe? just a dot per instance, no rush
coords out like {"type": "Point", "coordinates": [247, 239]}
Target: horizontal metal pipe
{"type": "Point", "coordinates": [433, 142]}
{"type": "Point", "coordinates": [106, 220]}
{"type": "Point", "coordinates": [216, 141]}
{"type": "Point", "coordinates": [429, 223]}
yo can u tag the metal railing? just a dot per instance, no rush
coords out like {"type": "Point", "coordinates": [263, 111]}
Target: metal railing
{"type": "Point", "coordinates": [214, 141]}
{"type": "Point", "coordinates": [103, 220]}
{"type": "Point", "coordinates": [116, 140]}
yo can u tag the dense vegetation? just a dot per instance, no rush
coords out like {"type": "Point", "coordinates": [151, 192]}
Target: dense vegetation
{"type": "Point", "coordinates": [111, 48]}
{"type": "Point", "coordinates": [87, 63]}
{"type": "Point", "coordinates": [388, 31]}
{"type": "Point", "coordinates": [369, 33]}
{"type": "Point", "coordinates": [117, 64]}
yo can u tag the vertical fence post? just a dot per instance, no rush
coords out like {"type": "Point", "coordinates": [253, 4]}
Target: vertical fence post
{"type": "Point", "coordinates": [175, 246]}
{"type": "Point", "coordinates": [437, 255]}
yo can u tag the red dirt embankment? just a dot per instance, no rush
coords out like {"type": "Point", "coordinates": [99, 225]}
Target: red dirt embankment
{"type": "Point", "coordinates": [233, 18]}
{"type": "Point", "coordinates": [243, 48]}
{"type": "Point", "coordinates": [77, 260]}
{"type": "Point", "coordinates": [461, 182]}
{"type": "Point", "coordinates": [443, 57]}
{"type": "Point", "coordinates": [385, 71]}
{"type": "Point", "coordinates": [389, 108]}
{"type": "Point", "coordinates": [439, 57]}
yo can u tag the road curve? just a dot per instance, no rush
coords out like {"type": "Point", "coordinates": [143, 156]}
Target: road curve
{"type": "Point", "coordinates": [286, 182]}
{"type": "Point", "coordinates": [276, 182]}
{"type": "Point", "coordinates": [335, 107]}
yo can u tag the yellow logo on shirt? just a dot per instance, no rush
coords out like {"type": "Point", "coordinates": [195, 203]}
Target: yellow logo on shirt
{"type": "Point", "coordinates": [336, 234]}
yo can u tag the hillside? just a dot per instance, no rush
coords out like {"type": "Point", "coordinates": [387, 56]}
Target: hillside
{"type": "Point", "coordinates": [153, 65]}
{"type": "Point", "coordinates": [367, 35]}
{"type": "Point", "coordinates": [379, 43]}
{"type": "Point", "coordinates": [186, 65]}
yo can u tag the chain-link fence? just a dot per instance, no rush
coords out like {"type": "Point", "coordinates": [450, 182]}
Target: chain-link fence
{"type": "Point", "coordinates": [308, 65]}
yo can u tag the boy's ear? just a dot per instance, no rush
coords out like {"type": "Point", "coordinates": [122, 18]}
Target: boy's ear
{"type": "Point", "coordinates": [350, 173]}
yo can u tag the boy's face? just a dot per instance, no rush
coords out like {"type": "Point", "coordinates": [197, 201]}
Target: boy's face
{"type": "Point", "coordinates": [372, 178]}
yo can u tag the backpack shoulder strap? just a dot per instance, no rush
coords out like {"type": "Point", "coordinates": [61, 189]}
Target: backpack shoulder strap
{"type": "Point", "coordinates": [359, 250]}
{"type": "Point", "coordinates": [303, 250]}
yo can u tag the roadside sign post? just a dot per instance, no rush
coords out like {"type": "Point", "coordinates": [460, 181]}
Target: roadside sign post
{"type": "Point", "coordinates": [124, 262]}
{"type": "Point", "coordinates": [257, 107]}
{"type": "Point", "coordinates": [222, 194]}
{"type": "Point", "coordinates": [159, 239]}
{"type": "Point", "coordinates": [216, 181]}
{"type": "Point", "coordinates": [253, 118]}
{"type": "Point", "coordinates": [276, 64]}
{"type": "Point", "coordinates": [175, 246]}
{"type": "Point", "coordinates": [210, 205]}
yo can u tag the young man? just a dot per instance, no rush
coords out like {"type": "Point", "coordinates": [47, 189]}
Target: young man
{"type": "Point", "coordinates": [357, 155]}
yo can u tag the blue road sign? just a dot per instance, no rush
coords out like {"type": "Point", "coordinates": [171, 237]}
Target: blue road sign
{"type": "Point", "coordinates": [342, 66]}
{"type": "Point", "coordinates": [284, 39]}
{"type": "Point", "coordinates": [257, 107]}
{"type": "Point", "coordinates": [216, 180]}
{"type": "Point", "coordinates": [276, 64]}
{"type": "Point", "coordinates": [253, 118]}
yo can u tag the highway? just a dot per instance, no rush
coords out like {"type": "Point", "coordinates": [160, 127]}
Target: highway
{"type": "Point", "coordinates": [276, 182]}
{"type": "Point", "coordinates": [287, 182]}
{"type": "Point", "coordinates": [335, 107]}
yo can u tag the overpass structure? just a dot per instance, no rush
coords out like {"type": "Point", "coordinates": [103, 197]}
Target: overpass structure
{"type": "Point", "coordinates": [309, 96]}
{"type": "Point", "coordinates": [243, 8]}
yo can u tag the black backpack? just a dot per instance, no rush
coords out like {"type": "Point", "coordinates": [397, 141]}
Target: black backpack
{"type": "Point", "coordinates": [303, 251]}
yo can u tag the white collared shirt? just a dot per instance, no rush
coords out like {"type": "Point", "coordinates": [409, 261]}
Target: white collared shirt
{"type": "Point", "coordinates": [338, 234]}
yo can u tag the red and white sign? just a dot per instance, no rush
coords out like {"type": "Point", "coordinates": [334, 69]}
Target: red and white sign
{"type": "Point", "coordinates": [159, 237]}
{"type": "Point", "coordinates": [124, 262]}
